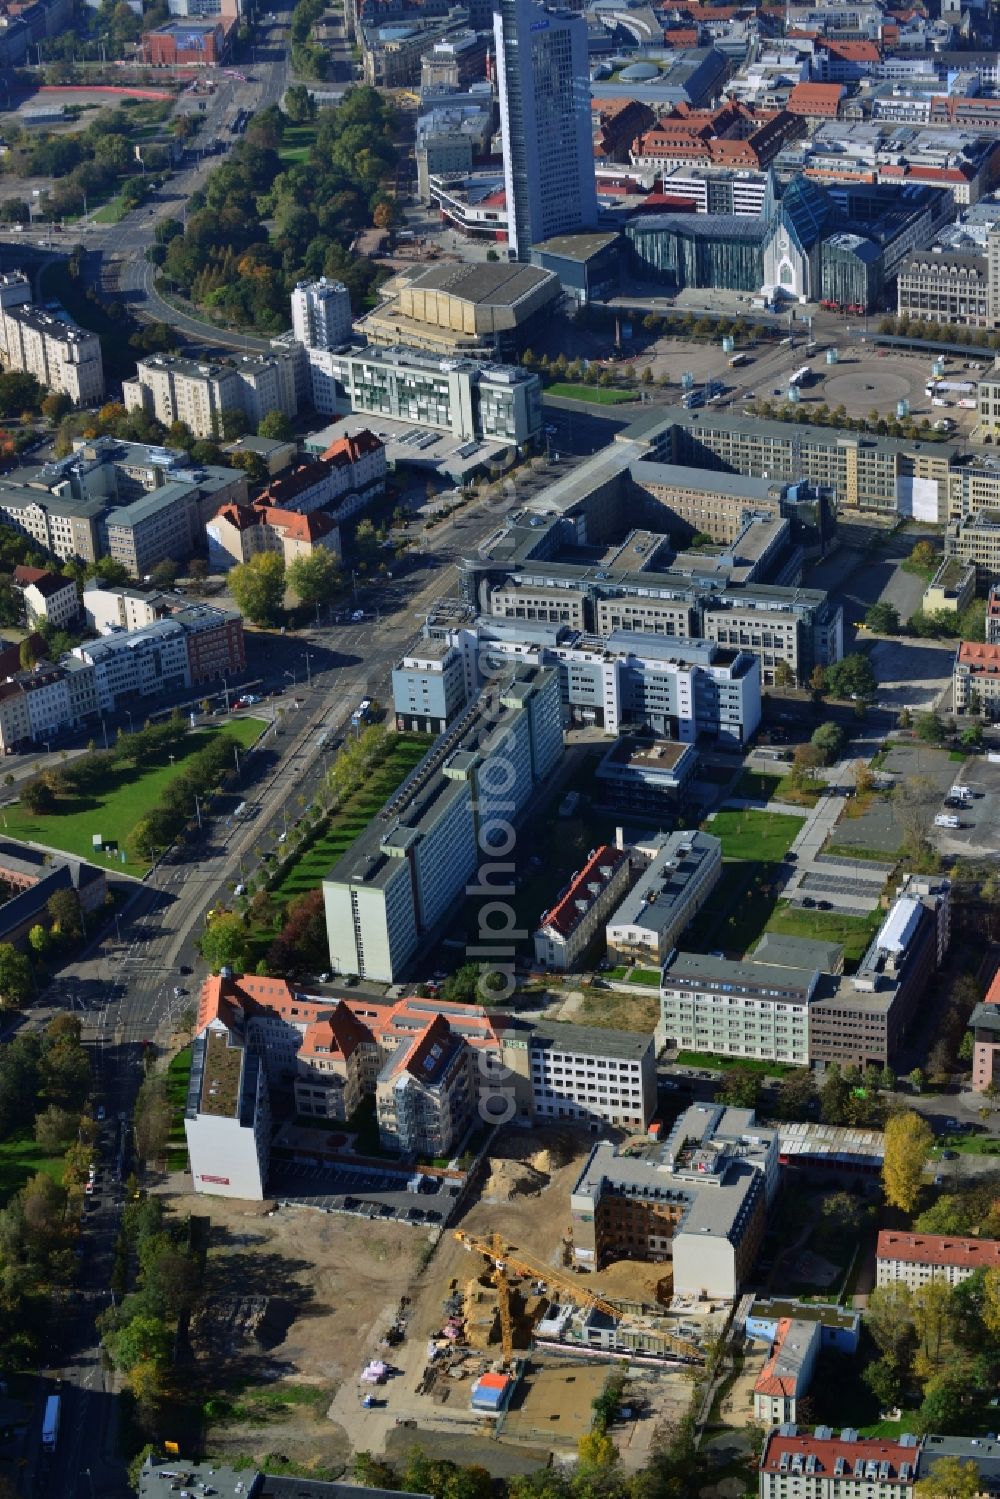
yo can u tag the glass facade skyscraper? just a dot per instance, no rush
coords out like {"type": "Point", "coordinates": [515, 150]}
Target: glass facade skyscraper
{"type": "Point", "coordinates": [548, 149]}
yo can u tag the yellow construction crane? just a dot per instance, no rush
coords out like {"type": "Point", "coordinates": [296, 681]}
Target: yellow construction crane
{"type": "Point", "coordinates": [507, 1257]}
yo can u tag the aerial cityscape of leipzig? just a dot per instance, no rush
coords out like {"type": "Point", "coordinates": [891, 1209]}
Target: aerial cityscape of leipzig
{"type": "Point", "coordinates": [500, 729]}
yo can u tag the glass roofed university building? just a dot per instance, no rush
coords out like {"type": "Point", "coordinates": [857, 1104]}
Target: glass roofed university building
{"type": "Point", "coordinates": [808, 242]}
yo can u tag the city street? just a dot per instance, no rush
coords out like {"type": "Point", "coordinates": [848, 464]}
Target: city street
{"type": "Point", "coordinates": [123, 985]}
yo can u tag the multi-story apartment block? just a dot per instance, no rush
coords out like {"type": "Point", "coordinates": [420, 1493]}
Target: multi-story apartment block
{"type": "Point", "coordinates": [431, 1067]}
{"type": "Point", "coordinates": [197, 643]}
{"type": "Point", "coordinates": [358, 463]}
{"type": "Point", "coordinates": [66, 527]}
{"type": "Point", "coordinates": [111, 607]}
{"type": "Point", "coordinates": [976, 678]}
{"type": "Point", "coordinates": [828, 1465]}
{"type": "Point", "coordinates": [975, 539]}
{"type": "Point", "coordinates": [567, 929]}
{"type": "Point", "coordinates": [914, 1259]}
{"type": "Point", "coordinates": [745, 1008]}
{"type": "Point", "coordinates": [595, 1077]}
{"type": "Point", "coordinates": [429, 687]}
{"type": "Point", "coordinates": [993, 616]}
{"type": "Point", "coordinates": [486, 402]}
{"type": "Point", "coordinates": [39, 703]}
{"type": "Point", "coordinates": [863, 472]}
{"type": "Point", "coordinates": [699, 1199]}
{"type": "Point", "coordinates": [139, 663]}
{"type": "Point", "coordinates": [399, 882]}
{"type": "Point", "coordinates": [945, 286]}
{"type": "Point", "coordinates": [425, 1098]}
{"type": "Point", "coordinates": [174, 389]}
{"type": "Point", "coordinates": [985, 1026]}
{"type": "Point", "coordinates": [321, 313]}
{"type": "Point", "coordinates": [685, 689]}
{"type": "Point", "coordinates": [215, 643]}
{"type": "Point", "coordinates": [787, 1372]}
{"type": "Point", "coordinates": [161, 525]}
{"type": "Point", "coordinates": [683, 870]}
{"type": "Point", "coordinates": [239, 532]}
{"type": "Point", "coordinates": [140, 505]}
{"type": "Point", "coordinates": [47, 596]}
{"type": "Point", "coordinates": [61, 356]}
{"type": "Point", "coordinates": [790, 1003]}
{"type": "Point", "coordinates": [342, 479]}
{"type": "Point", "coordinates": [860, 1019]}
{"type": "Point", "coordinates": [450, 137]}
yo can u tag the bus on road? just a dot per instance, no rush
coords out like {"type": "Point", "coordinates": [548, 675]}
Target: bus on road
{"type": "Point", "coordinates": [50, 1423]}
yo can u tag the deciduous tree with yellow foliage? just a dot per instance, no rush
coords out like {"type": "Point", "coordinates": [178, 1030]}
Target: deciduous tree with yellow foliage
{"type": "Point", "coordinates": [908, 1140]}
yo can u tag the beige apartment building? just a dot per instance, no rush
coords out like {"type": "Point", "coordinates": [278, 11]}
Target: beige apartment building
{"type": "Point", "coordinates": [61, 356]}
{"type": "Point", "coordinates": [239, 532]}
{"type": "Point", "coordinates": [183, 390]}
{"type": "Point", "coordinates": [945, 286]}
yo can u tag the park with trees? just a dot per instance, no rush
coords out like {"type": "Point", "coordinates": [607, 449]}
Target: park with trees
{"type": "Point", "coordinates": [260, 224]}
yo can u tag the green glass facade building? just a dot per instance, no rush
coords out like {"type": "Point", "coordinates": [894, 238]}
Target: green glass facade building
{"type": "Point", "coordinates": [695, 249]}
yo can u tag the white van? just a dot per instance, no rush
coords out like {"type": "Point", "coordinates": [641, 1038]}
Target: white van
{"type": "Point", "coordinates": [964, 793]}
{"type": "Point", "coordinates": [946, 820]}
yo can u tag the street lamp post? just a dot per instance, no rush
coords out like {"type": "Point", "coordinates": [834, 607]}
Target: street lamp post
{"type": "Point", "coordinates": [308, 671]}
{"type": "Point", "coordinates": [291, 675]}
{"type": "Point", "coordinates": [131, 726]}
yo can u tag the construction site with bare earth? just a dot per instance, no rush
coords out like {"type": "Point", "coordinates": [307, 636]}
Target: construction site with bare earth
{"type": "Point", "coordinates": [484, 1338]}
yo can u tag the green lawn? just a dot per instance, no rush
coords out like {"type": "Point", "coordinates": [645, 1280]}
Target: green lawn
{"type": "Point", "coordinates": [891, 1429]}
{"type": "Point", "coordinates": [764, 837]}
{"type": "Point", "coordinates": [599, 395]}
{"type": "Point", "coordinates": [22, 1158]}
{"type": "Point", "coordinates": [737, 910]}
{"type": "Point", "coordinates": [130, 794]}
{"type": "Point", "coordinates": [648, 976]}
{"type": "Point", "coordinates": [741, 904]}
{"type": "Point", "coordinates": [756, 785]}
{"type": "Point", "coordinates": [112, 212]}
{"type": "Point", "coordinates": [859, 851]}
{"type": "Point", "coordinates": [346, 825]}
{"type": "Point", "coordinates": [296, 143]}
{"type": "Point", "coordinates": [966, 1145]}
{"type": "Point", "coordinates": [178, 1077]}
{"type": "Point", "coordinates": [708, 1060]}
{"type": "Point", "coordinates": [854, 933]}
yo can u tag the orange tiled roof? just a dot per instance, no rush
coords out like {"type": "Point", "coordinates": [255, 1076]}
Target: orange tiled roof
{"type": "Point", "coordinates": [938, 1249]}
{"type": "Point", "coordinates": [867, 1449]}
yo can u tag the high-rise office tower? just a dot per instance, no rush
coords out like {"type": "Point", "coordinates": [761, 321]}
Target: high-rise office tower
{"type": "Point", "coordinates": [321, 313]}
{"type": "Point", "coordinates": [548, 147]}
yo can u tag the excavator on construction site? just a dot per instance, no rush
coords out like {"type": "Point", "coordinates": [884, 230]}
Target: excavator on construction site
{"type": "Point", "coordinates": [507, 1259]}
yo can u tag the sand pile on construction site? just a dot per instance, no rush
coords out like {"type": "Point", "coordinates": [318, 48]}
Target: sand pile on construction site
{"type": "Point", "coordinates": [510, 1179]}
{"type": "Point", "coordinates": [633, 1280]}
